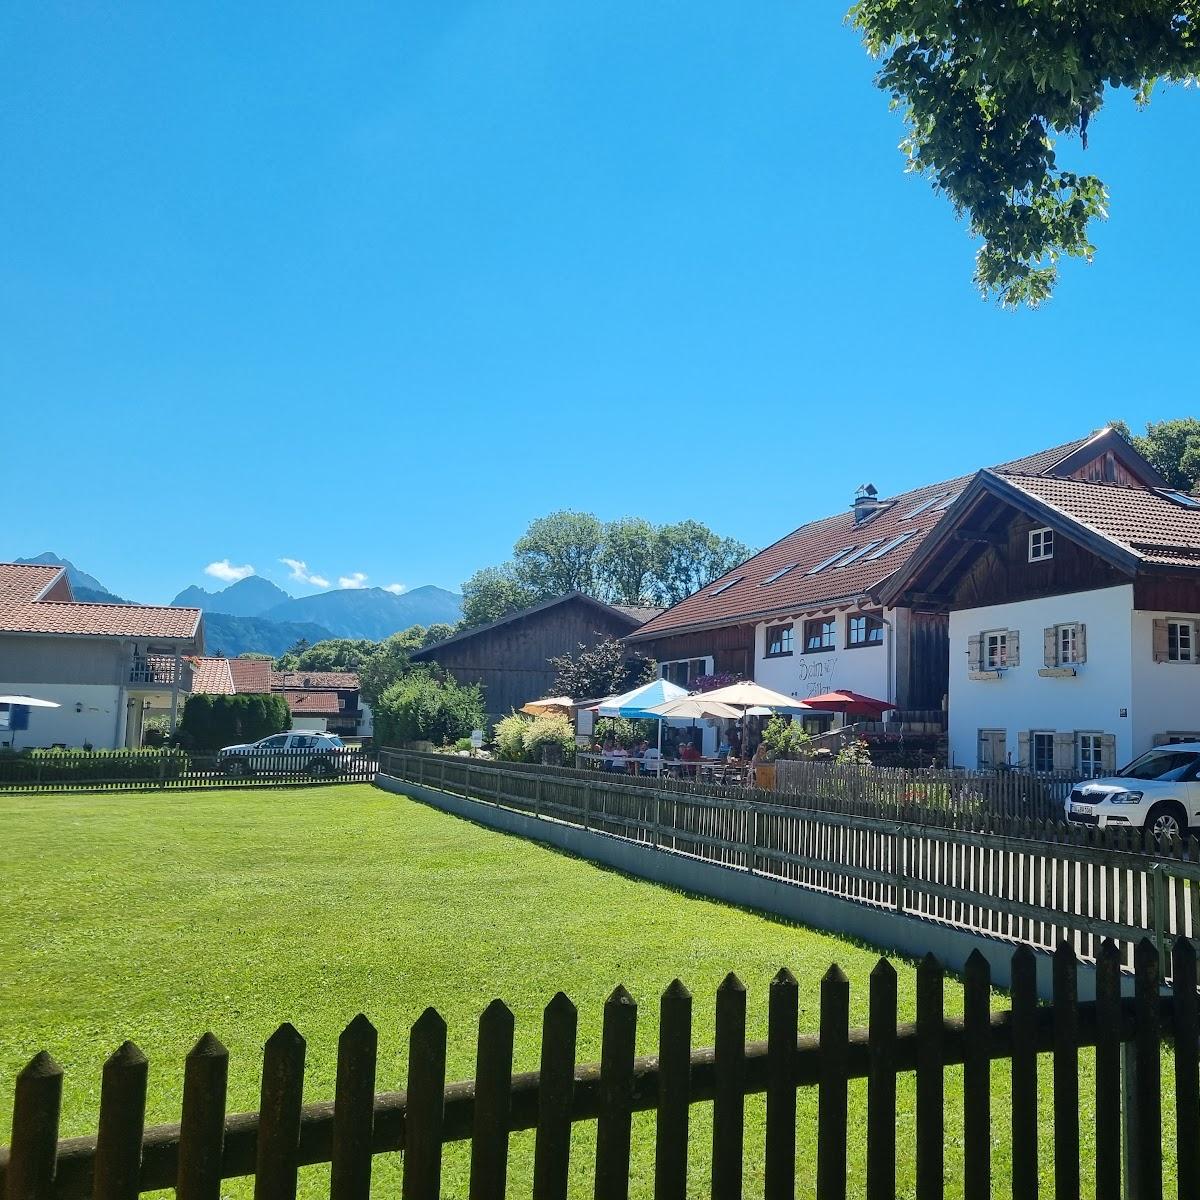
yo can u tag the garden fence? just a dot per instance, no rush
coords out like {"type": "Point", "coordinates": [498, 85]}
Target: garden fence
{"type": "Point", "coordinates": [1018, 880]}
{"type": "Point", "coordinates": [136, 769]}
{"type": "Point", "coordinates": [1132, 1104]}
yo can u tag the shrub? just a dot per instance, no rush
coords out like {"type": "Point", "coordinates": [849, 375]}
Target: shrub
{"type": "Point", "coordinates": [509, 734]}
{"type": "Point", "coordinates": [89, 766]}
{"type": "Point", "coordinates": [555, 733]}
{"type": "Point", "coordinates": [627, 731]}
{"type": "Point", "coordinates": [784, 739]}
{"type": "Point", "coordinates": [854, 754]}
{"type": "Point", "coordinates": [425, 707]}
{"type": "Point", "coordinates": [210, 722]}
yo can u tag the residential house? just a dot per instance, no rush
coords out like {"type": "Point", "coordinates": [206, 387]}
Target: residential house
{"type": "Point", "coordinates": [810, 614]}
{"type": "Point", "coordinates": [230, 676]}
{"type": "Point", "coordinates": [107, 666]}
{"type": "Point", "coordinates": [1074, 617]}
{"type": "Point", "coordinates": [511, 657]}
{"type": "Point", "coordinates": [325, 700]}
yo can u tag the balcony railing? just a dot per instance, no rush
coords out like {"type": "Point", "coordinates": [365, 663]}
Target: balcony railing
{"type": "Point", "coordinates": [157, 670]}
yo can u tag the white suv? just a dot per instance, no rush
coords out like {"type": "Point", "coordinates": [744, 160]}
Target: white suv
{"type": "Point", "coordinates": [284, 754]}
{"type": "Point", "coordinates": [1159, 792]}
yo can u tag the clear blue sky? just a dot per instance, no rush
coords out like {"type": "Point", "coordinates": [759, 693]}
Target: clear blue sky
{"type": "Point", "coordinates": [371, 287]}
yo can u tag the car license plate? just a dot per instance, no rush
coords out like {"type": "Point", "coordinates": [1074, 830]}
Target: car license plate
{"type": "Point", "coordinates": [1084, 810]}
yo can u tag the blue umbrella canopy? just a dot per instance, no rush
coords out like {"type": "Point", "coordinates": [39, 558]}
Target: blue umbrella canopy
{"type": "Point", "coordinates": [641, 700]}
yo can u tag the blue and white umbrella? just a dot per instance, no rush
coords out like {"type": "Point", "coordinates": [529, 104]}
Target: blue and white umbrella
{"type": "Point", "coordinates": [641, 700]}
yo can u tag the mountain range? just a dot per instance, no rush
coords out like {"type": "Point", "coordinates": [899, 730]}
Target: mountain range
{"type": "Point", "coordinates": [255, 614]}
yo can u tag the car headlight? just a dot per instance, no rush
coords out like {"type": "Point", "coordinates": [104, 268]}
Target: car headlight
{"type": "Point", "coordinates": [1125, 797]}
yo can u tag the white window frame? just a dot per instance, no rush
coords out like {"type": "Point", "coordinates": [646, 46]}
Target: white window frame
{"type": "Point", "coordinates": [1041, 544]}
{"type": "Point", "coordinates": [1066, 644]}
{"type": "Point", "coordinates": [1089, 753]}
{"type": "Point", "coordinates": [1000, 661]}
{"type": "Point", "coordinates": [1034, 734]}
{"type": "Point", "coordinates": [1178, 630]}
{"type": "Point", "coordinates": [705, 659]}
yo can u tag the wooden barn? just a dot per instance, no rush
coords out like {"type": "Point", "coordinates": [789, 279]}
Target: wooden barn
{"type": "Point", "coordinates": [511, 657]}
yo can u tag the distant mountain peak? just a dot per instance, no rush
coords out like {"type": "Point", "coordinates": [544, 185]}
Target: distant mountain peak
{"type": "Point", "coordinates": [86, 588]}
{"type": "Point", "coordinates": [249, 597]}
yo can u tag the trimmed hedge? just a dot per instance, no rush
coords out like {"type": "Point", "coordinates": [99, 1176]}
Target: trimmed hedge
{"type": "Point", "coordinates": [88, 766]}
{"type": "Point", "coordinates": [210, 722]}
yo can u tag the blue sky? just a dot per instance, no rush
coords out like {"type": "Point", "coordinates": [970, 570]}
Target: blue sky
{"type": "Point", "coordinates": [371, 287]}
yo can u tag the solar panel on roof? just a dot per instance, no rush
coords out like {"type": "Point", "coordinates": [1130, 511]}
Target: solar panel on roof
{"type": "Point", "coordinates": [778, 574]}
{"type": "Point", "coordinates": [829, 561]}
{"type": "Point", "coordinates": [724, 587]}
{"type": "Point", "coordinates": [888, 547]}
{"type": "Point", "coordinates": [859, 553]}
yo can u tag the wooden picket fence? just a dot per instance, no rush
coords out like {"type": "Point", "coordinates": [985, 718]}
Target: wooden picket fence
{"type": "Point", "coordinates": [124, 1159]}
{"type": "Point", "coordinates": [1023, 881]}
{"type": "Point", "coordinates": [115, 770]}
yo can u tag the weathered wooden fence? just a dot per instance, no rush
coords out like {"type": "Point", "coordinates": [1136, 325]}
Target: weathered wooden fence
{"type": "Point", "coordinates": [125, 1159]}
{"type": "Point", "coordinates": [1023, 881]}
{"type": "Point", "coordinates": [974, 795]}
{"type": "Point", "coordinates": [109, 770]}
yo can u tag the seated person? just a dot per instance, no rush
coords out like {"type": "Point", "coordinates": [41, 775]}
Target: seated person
{"type": "Point", "coordinates": [689, 753]}
{"type": "Point", "coordinates": [617, 756]}
{"type": "Point", "coordinates": [651, 756]}
{"type": "Point", "coordinates": [607, 761]}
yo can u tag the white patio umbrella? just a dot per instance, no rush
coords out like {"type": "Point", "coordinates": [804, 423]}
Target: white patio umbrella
{"type": "Point", "coordinates": [693, 707]}
{"type": "Point", "coordinates": [747, 695]}
{"type": "Point", "coordinates": [26, 702]}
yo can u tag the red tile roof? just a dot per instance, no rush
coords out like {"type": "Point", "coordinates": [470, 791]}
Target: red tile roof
{"type": "Point", "coordinates": [749, 593]}
{"type": "Point", "coordinates": [211, 677]}
{"type": "Point", "coordinates": [251, 674]}
{"type": "Point", "coordinates": [1143, 521]}
{"type": "Point", "coordinates": [314, 680]}
{"type": "Point", "coordinates": [22, 612]}
{"type": "Point", "coordinates": [313, 704]}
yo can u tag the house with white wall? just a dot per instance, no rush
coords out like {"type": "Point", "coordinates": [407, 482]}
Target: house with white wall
{"type": "Point", "coordinates": [814, 612]}
{"type": "Point", "coordinates": [1074, 619]}
{"type": "Point", "coordinates": [106, 665]}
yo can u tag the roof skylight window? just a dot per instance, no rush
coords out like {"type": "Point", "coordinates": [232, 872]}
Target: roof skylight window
{"type": "Point", "coordinates": [724, 587]}
{"type": "Point", "coordinates": [912, 512]}
{"type": "Point", "coordinates": [888, 547]}
{"type": "Point", "coordinates": [859, 553]}
{"type": "Point", "coordinates": [778, 574]}
{"type": "Point", "coordinates": [949, 500]}
{"type": "Point", "coordinates": [828, 562]}
{"type": "Point", "coordinates": [1180, 498]}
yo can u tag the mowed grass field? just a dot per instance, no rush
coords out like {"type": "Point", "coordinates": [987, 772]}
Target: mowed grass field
{"type": "Point", "coordinates": [157, 917]}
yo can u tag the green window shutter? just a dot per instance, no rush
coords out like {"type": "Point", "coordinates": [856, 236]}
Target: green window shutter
{"type": "Point", "coordinates": [1160, 639]}
{"type": "Point", "coordinates": [1081, 642]}
{"type": "Point", "coordinates": [1014, 647]}
{"type": "Point", "coordinates": [1108, 752]}
{"type": "Point", "coordinates": [1023, 748]}
{"type": "Point", "coordinates": [1050, 646]}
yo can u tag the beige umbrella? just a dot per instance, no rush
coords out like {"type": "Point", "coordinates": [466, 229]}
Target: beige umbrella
{"type": "Point", "coordinates": [748, 694]}
{"type": "Point", "coordinates": [689, 708]}
{"type": "Point", "coordinates": [550, 706]}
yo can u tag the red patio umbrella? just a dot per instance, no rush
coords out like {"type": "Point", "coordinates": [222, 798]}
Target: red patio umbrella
{"type": "Point", "coordinates": [851, 704]}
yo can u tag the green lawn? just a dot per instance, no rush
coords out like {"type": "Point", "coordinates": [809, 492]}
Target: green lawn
{"type": "Point", "coordinates": [159, 916]}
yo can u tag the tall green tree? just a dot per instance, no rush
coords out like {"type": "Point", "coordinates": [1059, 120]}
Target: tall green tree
{"type": "Point", "coordinates": [688, 556]}
{"type": "Point", "coordinates": [1171, 447]}
{"type": "Point", "coordinates": [625, 565]}
{"type": "Point", "coordinates": [986, 85]}
{"type": "Point", "coordinates": [494, 592]}
{"type": "Point", "coordinates": [600, 670]}
{"type": "Point", "coordinates": [559, 553]}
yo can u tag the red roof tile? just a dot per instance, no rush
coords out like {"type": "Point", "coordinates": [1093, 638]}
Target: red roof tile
{"type": "Point", "coordinates": [314, 680]}
{"type": "Point", "coordinates": [251, 674]}
{"type": "Point", "coordinates": [211, 677]}
{"type": "Point", "coordinates": [313, 704]}
{"type": "Point", "coordinates": [750, 593]}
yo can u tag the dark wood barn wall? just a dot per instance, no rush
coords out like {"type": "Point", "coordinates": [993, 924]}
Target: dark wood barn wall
{"type": "Point", "coordinates": [732, 648]}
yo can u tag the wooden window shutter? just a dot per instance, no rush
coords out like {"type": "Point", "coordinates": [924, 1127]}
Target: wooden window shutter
{"type": "Point", "coordinates": [1000, 747]}
{"type": "Point", "coordinates": [1081, 642]}
{"type": "Point", "coordinates": [975, 652]}
{"type": "Point", "coordinates": [1014, 647]}
{"type": "Point", "coordinates": [1160, 639]}
{"type": "Point", "coordinates": [1050, 646]}
{"type": "Point", "coordinates": [1108, 752]}
{"type": "Point", "coordinates": [1064, 751]}
{"type": "Point", "coordinates": [1023, 748]}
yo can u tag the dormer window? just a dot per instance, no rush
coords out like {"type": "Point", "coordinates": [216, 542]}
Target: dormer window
{"type": "Point", "coordinates": [1041, 544]}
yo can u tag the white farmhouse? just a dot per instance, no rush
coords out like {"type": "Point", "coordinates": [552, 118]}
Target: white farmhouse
{"type": "Point", "coordinates": [1074, 617]}
{"type": "Point", "coordinates": [106, 665]}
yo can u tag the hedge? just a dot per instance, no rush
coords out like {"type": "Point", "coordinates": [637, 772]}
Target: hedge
{"type": "Point", "coordinates": [89, 766]}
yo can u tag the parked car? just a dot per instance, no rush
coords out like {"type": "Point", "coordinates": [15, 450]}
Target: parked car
{"type": "Point", "coordinates": [315, 754]}
{"type": "Point", "coordinates": [1160, 792]}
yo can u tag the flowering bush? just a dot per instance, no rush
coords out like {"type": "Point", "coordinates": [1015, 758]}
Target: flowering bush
{"type": "Point", "coordinates": [710, 683]}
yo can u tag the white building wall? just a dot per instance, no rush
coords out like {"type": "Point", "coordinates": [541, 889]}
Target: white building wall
{"type": "Point", "coordinates": [861, 669]}
{"type": "Point", "coordinates": [100, 723]}
{"type": "Point", "coordinates": [1021, 699]}
{"type": "Point", "coordinates": [1166, 696]}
